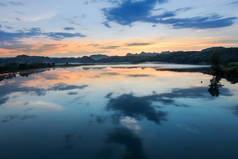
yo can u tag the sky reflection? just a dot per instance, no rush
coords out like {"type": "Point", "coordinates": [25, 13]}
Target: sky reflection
{"type": "Point", "coordinates": [117, 112]}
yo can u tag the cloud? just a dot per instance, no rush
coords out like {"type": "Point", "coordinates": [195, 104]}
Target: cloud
{"type": "Point", "coordinates": [70, 54]}
{"type": "Point", "coordinates": [13, 36]}
{"type": "Point", "coordinates": [62, 35]}
{"type": "Point", "coordinates": [183, 9]}
{"type": "Point", "coordinates": [233, 3]}
{"type": "Point", "coordinates": [73, 20]}
{"type": "Point", "coordinates": [69, 28]}
{"type": "Point", "coordinates": [29, 48]}
{"type": "Point", "coordinates": [14, 3]}
{"type": "Point", "coordinates": [94, 45]}
{"type": "Point", "coordinates": [12, 40]}
{"type": "Point", "coordinates": [208, 22]}
{"type": "Point", "coordinates": [107, 25]}
{"type": "Point", "coordinates": [129, 12]}
{"type": "Point", "coordinates": [35, 32]}
{"type": "Point", "coordinates": [34, 49]}
{"type": "Point", "coordinates": [138, 44]}
{"type": "Point", "coordinates": [2, 4]}
{"type": "Point", "coordinates": [110, 47]}
{"type": "Point", "coordinates": [110, 73]}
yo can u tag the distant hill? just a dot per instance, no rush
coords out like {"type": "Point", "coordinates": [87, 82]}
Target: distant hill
{"type": "Point", "coordinates": [180, 57]}
{"type": "Point", "coordinates": [98, 57]}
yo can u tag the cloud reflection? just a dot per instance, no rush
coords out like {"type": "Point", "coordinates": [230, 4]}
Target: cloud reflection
{"type": "Point", "coordinates": [136, 107]}
{"type": "Point", "coordinates": [65, 87]}
{"type": "Point", "coordinates": [132, 144]}
{"type": "Point", "coordinates": [235, 109]}
{"type": "Point", "coordinates": [16, 86]}
{"type": "Point", "coordinates": [129, 105]}
{"type": "Point", "coordinates": [13, 117]}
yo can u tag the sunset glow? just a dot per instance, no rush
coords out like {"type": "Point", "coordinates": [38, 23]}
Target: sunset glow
{"type": "Point", "coordinates": [61, 28]}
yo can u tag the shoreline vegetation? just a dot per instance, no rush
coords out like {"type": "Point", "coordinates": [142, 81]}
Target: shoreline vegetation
{"type": "Point", "coordinates": [220, 68]}
{"type": "Point", "coordinates": [223, 61]}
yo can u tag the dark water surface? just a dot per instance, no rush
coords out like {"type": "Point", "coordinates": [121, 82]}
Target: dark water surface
{"type": "Point", "coordinates": [118, 112]}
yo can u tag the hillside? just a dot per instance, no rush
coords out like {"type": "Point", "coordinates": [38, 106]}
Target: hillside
{"type": "Point", "coordinates": [180, 57]}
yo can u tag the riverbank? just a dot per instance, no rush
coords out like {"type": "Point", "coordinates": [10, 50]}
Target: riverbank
{"type": "Point", "coordinates": [13, 68]}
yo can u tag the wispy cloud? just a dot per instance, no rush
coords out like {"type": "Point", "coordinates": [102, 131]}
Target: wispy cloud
{"type": "Point", "coordinates": [2, 4]}
{"type": "Point", "coordinates": [35, 32]}
{"type": "Point", "coordinates": [15, 3]}
{"type": "Point", "coordinates": [80, 53]}
{"type": "Point", "coordinates": [208, 22]}
{"type": "Point", "coordinates": [73, 20]}
{"type": "Point", "coordinates": [62, 35]}
{"type": "Point", "coordinates": [110, 47]}
{"type": "Point", "coordinates": [138, 44]}
{"type": "Point", "coordinates": [69, 28]}
{"type": "Point", "coordinates": [233, 3]}
{"type": "Point", "coordinates": [35, 49]}
{"type": "Point", "coordinates": [12, 3]}
{"type": "Point", "coordinates": [12, 41]}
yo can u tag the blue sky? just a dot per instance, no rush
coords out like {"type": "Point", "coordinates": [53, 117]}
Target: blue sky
{"type": "Point", "coordinates": [114, 27]}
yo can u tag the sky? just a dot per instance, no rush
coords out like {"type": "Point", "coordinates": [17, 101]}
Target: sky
{"type": "Point", "coordinates": [76, 28]}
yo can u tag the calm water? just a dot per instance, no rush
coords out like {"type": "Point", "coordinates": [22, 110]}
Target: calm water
{"type": "Point", "coordinates": [118, 112]}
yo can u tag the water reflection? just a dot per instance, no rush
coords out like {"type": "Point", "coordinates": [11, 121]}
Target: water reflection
{"type": "Point", "coordinates": [136, 107]}
{"type": "Point", "coordinates": [16, 86]}
{"type": "Point", "coordinates": [139, 75]}
{"type": "Point", "coordinates": [132, 144]}
{"type": "Point", "coordinates": [215, 85]}
{"type": "Point", "coordinates": [13, 117]}
{"type": "Point", "coordinates": [128, 105]}
{"type": "Point", "coordinates": [235, 109]}
{"type": "Point", "coordinates": [71, 139]}
{"type": "Point", "coordinates": [99, 119]}
{"type": "Point", "coordinates": [125, 112]}
{"type": "Point", "coordinates": [22, 74]}
{"type": "Point", "coordinates": [7, 76]}
{"type": "Point", "coordinates": [3, 100]}
{"type": "Point", "coordinates": [65, 87]}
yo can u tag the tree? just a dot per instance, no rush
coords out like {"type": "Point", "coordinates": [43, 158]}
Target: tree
{"type": "Point", "coordinates": [216, 63]}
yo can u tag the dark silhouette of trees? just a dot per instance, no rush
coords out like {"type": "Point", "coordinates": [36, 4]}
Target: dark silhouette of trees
{"type": "Point", "coordinates": [214, 86]}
